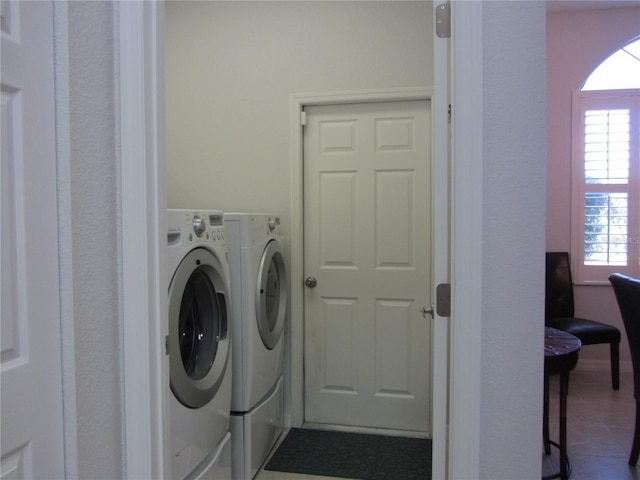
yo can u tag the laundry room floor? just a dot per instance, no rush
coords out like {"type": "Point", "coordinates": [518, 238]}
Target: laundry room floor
{"type": "Point", "coordinates": [273, 475]}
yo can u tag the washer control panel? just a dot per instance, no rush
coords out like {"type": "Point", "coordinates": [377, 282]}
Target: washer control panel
{"type": "Point", "coordinates": [200, 226]}
{"type": "Point", "coordinates": [216, 226]}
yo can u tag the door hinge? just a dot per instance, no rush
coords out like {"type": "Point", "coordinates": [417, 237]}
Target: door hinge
{"type": "Point", "coordinates": [443, 20]}
{"type": "Point", "coordinates": [443, 299]}
{"type": "Point", "coordinates": [449, 113]}
{"type": "Point", "coordinates": [303, 118]}
{"type": "Point", "coordinates": [166, 345]}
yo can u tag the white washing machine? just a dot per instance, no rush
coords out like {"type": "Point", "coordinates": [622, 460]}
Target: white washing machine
{"type": "Point", "coordinates": [260, 294]}
{"type": "Point", "coordinates": [199, 345]}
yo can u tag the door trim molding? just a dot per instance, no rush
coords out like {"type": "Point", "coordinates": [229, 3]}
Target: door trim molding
{"type": "Point", "coordinates": [440, 327]}
{"type": "Point", "coordinates": [297, 102]}
{"type": "Point", "coordinates": [466, 239]}
{"type": "Point", "coordinates": [143, 239]}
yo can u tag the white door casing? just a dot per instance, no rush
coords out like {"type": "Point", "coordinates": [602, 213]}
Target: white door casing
{"type": "Point", "coordinates": [144, 263]}
{"type": "Point", "coordinates": [367, 196]}
{"type": "Point", "coordinates": [441, 259]}
{"type": "Point", "coordinates": [32, 428]}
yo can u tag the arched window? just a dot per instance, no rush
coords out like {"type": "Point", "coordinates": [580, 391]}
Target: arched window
{"type": "Point", "coordinates": [605, 212]}
{"type": "Point", "coordinates": [619, 71]}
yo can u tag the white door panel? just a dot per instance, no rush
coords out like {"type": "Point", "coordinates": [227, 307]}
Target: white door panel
{"type": "Point", "coordinates": [367, 243]}
{"type": "Point", "coordinates": [32, 438]}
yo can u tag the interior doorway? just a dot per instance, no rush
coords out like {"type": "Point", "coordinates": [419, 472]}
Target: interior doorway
{"type": "Point", "coordinates": [439, 184]}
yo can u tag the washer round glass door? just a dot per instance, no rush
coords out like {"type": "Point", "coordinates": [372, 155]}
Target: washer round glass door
{"type": "Point", "coordinates": [271, 295]}
{"type": "Point", "coordinates": [198, 327]}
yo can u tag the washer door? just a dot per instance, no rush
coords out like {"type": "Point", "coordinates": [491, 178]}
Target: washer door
{"type": "Point", "coordinates": [271, 295]}
{"type": "Point", "coordinates": [198, 328]}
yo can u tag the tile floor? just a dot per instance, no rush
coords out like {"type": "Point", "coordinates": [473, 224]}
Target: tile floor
{"type": "Point", "coordinates": [600, 429]}
{"type": "Point", "coordinates": [600, 424]}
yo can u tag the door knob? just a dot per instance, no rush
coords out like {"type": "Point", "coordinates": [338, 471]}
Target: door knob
{"type": "Point", "coordinates": [310, 282]}
{"type": "Point", "coordinates": [427, 311]}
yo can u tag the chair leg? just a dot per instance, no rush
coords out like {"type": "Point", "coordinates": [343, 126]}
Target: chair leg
{"type": "Point", "coordinates": [635, 448]}
{"type": "Point", "coordinates": [615, 365]}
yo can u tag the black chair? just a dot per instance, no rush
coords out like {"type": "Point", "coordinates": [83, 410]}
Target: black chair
{"type": "Point", "coordinates": [560, 312]}
{"type": "Point", "coordinates": [627, 292]}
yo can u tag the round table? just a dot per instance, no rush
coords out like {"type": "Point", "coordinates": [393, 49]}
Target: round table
{"type": "Point", "coordinates": [560, 357]}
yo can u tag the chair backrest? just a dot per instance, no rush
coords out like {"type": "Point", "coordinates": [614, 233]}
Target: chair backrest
{"type": "Point", "coordinates": [627, 290]}
{"type": "Point", "coordinates": [558, 286]}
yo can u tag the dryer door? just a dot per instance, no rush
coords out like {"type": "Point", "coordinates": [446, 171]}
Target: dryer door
{"type": "Point", "coordinates": [271, 295]}
{"type": "Point", "coordinates": [199, 343]}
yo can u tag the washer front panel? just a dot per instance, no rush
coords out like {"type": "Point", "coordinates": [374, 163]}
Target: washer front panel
{"type": "Point", "coordinates": [271, 295]}
{"type": "Point", "coordinates": [199, 344]}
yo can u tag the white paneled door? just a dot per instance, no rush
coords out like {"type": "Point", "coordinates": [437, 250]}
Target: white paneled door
{"type": "Point", "coordinates": [367, 262]}
{"type": "Point", "coordinates": [32, 438]}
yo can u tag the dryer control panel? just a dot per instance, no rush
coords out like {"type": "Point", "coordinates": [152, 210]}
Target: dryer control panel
{"type": "Point", "coordinates": [273, 225]}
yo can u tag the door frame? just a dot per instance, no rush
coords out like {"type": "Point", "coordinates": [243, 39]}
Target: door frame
{"type": "Point", "coordinates": [141, 30]}
{"type": "Point", "coordinates": [144, 269]}
{"type": "Point", "coordinates": [421, 236]}
{"type": "Point", "coordinates": [467, 158]}
{"type": "Point", "coordinates": [294, 416]}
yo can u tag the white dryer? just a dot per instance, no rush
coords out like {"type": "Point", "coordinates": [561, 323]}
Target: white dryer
{"type": "Point", "coordinates": [260, 294]}
{"type": "Point", "coordinates": [199, 345]}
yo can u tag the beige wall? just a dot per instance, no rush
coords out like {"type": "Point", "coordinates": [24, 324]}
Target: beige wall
{"type": "Point", "coordinates": [231, 67]}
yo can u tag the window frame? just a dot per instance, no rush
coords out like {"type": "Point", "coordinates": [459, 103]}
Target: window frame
{"type": "Point", "coordinates": [604, 100]}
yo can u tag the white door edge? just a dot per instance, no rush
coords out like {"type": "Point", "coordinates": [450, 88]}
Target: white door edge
{"type": "Point", "coordinates": [441, 261]}
{"type": "Point", "coordinates": [466, 240]}
{"type": "Point", "coordinates": [63, 149]}
{"type": "Point", "coordinates": [143, 203]}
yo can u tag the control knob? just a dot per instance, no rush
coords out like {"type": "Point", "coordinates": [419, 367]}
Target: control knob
{"type": "Point", "coordinates": [199, 225]}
